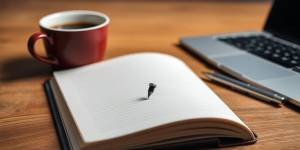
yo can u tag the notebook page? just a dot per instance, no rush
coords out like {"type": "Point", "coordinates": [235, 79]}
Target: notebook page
{"type": "Point", "coordinates": [106, 99]}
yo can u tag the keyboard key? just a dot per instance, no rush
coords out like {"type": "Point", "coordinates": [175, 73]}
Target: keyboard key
{"type": "Point", "coordinates": [294, 62]}
{"type": "Point", "coordinates": [297, 69]}
{"type": "Point", "coordinates": [275, 56]}
{"type": "Point", "coordinates": [284, 59]}
{"type": "Point", "coordinates": [295, 57]}
{"type": "Point", "coordinates": [287, 54]}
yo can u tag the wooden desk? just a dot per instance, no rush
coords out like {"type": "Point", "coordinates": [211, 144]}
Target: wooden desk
{"type": "Point", "coordinates": [136, 26]}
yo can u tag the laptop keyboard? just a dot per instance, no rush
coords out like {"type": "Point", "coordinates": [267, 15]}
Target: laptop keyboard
{"type": "Point", "coordinates": [267, 48]}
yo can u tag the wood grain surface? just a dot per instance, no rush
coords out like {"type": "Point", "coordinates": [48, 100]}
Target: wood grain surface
{"type": "Point", "coordinates": [136, 26]}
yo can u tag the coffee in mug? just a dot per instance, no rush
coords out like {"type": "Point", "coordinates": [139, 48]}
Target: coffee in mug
{"type": "Point", "coordinates": [75, 25]}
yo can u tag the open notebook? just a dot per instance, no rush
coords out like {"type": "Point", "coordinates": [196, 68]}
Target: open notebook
{"type": "Point", "coordinates": [103, 106]}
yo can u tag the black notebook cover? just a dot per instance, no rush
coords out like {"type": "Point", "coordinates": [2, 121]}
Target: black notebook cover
{"type": "Point", "coordinates": [192, 145]}
{"type": "Point", "coordinates": [61, 133]}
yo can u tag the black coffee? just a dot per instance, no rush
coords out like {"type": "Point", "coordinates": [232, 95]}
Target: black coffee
{"type": "Point", "coordinates": [75, 25]}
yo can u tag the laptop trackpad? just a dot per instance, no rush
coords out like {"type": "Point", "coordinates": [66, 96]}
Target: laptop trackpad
{"type": "Point", "coordinates": [288, 86]}
{"type": "Point", "coordinates": [252, 67]}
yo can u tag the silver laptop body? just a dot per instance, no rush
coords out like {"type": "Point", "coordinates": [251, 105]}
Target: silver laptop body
{"type": "Point", "coordinates": [247, 66]}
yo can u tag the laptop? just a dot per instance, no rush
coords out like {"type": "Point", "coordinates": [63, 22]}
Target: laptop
{"type": "Point", "coordinates": [270, 58]}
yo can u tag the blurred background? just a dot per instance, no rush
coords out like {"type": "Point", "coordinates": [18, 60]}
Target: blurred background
{"type": "Point", "coordinates": [131, 22]}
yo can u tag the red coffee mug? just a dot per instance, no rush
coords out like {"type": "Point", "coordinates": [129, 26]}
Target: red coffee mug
{"type": "Point", "coordinates": [71, 47]}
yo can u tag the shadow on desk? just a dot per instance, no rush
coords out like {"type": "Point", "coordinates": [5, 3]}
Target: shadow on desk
{"type": "Point", "coordinates": [21, 68]}
{"type": "Point", "coordinates": [292, 107]}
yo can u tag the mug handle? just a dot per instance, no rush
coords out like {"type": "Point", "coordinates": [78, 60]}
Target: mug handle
{"type": "Point", "coordinates": [30, 44]}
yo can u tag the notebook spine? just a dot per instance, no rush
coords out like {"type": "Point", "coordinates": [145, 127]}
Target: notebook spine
{"type": "Point", "coordinates": [60, 130]}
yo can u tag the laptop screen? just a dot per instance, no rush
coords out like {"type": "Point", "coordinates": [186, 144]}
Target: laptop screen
{"type": "Point", "coordinates": [284, 20]}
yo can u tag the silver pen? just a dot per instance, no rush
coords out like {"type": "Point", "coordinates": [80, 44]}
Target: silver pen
{"type": "Point", "coordinates": [255, 91]}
